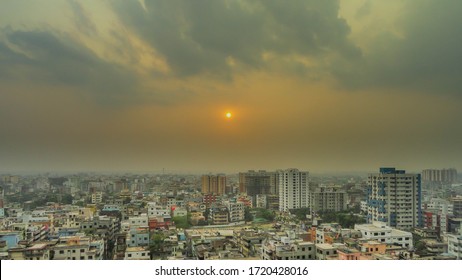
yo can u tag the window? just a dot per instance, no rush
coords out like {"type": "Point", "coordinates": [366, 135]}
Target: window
{"type": "Point", "coordinates": [129, 255]}
{"type": "Point", "coordinates": [82, 250]}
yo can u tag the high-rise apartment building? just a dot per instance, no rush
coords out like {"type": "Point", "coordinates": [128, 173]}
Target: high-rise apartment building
{"type": "Point", "coordinates": [440, 175]}
{"type": "Point", "coordinates": [326, 198]}
{"type": "Point", "coordinates": [2, 195]}
{"type": "Point", "coordinates": [215, 184]}
{"type": "Point", "coordinates": [394, 197]}
{"type": "Point", "coordinates": [2, 209]}
{"type": "Point", "coordinates": [293, 189]}
{"type": "Point", "coordinates": [457, 206]}
{"type": "Point", "coordinates": [260, 182]}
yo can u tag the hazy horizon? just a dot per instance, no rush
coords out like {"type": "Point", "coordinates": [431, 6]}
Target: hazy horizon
{"type": "Point", "coordinates": [323, 86]}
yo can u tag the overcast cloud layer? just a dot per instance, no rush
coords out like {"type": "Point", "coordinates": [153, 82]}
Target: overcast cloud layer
{"type": "Point", "coordinates": [144, 85]}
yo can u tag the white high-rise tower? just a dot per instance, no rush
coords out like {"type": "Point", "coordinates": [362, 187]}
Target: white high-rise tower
{"type": "Point", "coordinates": [293, 189]}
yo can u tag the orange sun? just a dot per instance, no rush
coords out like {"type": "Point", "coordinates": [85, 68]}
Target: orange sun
{"type": "Point", "coordinates": [228, 115]}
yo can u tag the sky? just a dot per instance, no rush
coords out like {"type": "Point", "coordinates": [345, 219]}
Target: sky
{"type": "Point", "coordinates": [144, 86]}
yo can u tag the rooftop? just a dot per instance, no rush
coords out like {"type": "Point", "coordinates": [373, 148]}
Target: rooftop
{"type": "Point", "coordinates": [325, 246]}
{"type": "Point", "coordinates": [136, 249]}
{"type": "Point", "coordinates": [39, 246]}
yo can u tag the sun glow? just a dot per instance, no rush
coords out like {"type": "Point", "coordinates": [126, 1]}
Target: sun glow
{"type": "Point", "coordinates": [228, 115]}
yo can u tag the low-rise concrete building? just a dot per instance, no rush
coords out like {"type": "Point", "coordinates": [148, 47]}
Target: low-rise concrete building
{"type": "Point", "coordinates": [39, 251]}
{"type": "Point", "coordinates": [138, 221]}
{"type": "Point", "coordinates": [219, 215]}
{"type": "Point", "coordinates": [380, 232]}
{"type": "Point", "coordinates": [138, 237]}
{"type": "Point", "coordinates": [455, 245]}
{"type": "Point", "coordinates": [78, 248]}
{"type": "Point", "coordinates": [137, 253]}
{"type": "Point", "coordinates": [435, 247]}
{"type": "Point", "coordinates": [325, 251]}
{"type": "Point", "coordinates": [236, 211]}
{"type": "Point", "coordinates": [287, 249]}
{"type": "Point", "coordinates": [348, 254]}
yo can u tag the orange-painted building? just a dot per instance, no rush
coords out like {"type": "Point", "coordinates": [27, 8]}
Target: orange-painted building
{"type": "Point", "coordinates": [373, 247]}
{"type": "Point", "coordinates": [348, 254]}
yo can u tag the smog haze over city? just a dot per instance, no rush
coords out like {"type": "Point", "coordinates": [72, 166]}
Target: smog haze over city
{"type": "Point", "coordinates": [324, 86]}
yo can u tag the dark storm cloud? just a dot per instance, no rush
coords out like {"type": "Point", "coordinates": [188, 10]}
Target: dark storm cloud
{"type": "Point", "coordinates": [424, 56]}
{"type": "Point", "coordinates": [53, 58]}
{"type": "Point", "coordinates": [200, 36]}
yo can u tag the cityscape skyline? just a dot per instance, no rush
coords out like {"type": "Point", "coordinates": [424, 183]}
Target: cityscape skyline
{"type": "Point", "coordinates": [263, 215]}
{"type": "Point", "coordinates": [140, 86]}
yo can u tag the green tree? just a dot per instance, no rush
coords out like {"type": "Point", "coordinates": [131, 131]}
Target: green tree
{"type": "Point", "coordinates": [182, 222]}
{"type": "Point", "coordinates": [67, 199]}
{"type": "Point", "coordinates": [156, 246]}
{"type": "Point", "coordinates": [264, 214]}
{"type": "Point", "coordinates": [301, 213]}
{"type": "Point", "coordinates": [248, 217]}
{"type": "Point", "coordinates": [346, 220]}
{"type": "Point", "coordinates": [268, 215]}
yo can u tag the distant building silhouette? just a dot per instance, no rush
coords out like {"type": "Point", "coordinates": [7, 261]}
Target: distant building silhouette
{"type": "Point", "coordinates": [258, 182]}
{"type": "Point", "coordinates": [215, 184]}
{"type": "Point", "coordinates": [440, 175]}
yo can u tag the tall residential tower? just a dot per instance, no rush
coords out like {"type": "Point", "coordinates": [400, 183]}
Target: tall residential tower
{"type": "Point", "coordinates": [215, 184]}
{"type": "Point", "coordinates": [395, 198]}
{"type": "Point", "coordinates": [293, 189]}
{"type": "Point", "coordinates": [258, 182]}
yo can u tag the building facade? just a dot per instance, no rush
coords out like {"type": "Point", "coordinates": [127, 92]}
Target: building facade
{"type": "Point", "coordinates": [236, 211]}
{"type": "Point", "coordinates": [215, 184]}
{"type": "Point", "coordinates": [328, 199]}
{"type": "Point", "coordinates": [380, 232]}
{"type": "Point", "coordinates": [457, 206]}
{"type": "Point", "coordinates": [395, 198]}
{"type": "Point", "coordinates": [293, 189]}
{"type": "Point", "coordinates": [258, 182]}
{"type": "Point", "coordinates": [440, 175]}
{"type": "Point", "coordinates": [287, 249]}
{"type": "Point", "coordinates": [455, 245]}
